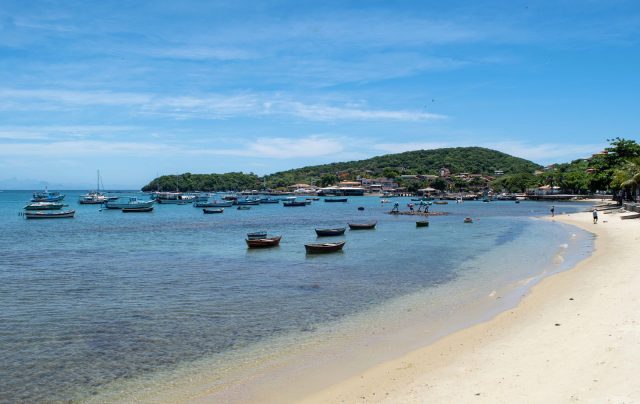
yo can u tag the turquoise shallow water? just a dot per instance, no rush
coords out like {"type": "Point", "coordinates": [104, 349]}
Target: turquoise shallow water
{"type": "Point", "coordinates": [107, 296]}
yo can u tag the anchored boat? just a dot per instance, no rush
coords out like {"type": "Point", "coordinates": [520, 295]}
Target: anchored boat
{"type": "Point", "coordinates": [50, 215]}
{"type": "Point", "coordinates": [330, 232]}
{"type": "Point", "coordinates": [324, 247]}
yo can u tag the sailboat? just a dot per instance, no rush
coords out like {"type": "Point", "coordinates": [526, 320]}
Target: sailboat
{"type": "Point", "coordinates": [95, 197]}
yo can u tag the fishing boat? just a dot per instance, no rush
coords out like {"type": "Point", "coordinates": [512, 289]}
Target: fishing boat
{"type": "Point", "coordinates": [208, 211]}
{"type": "Point", "coordinates": [263, 242]}
{"type": "Point", "coordinates": [468, 220]}
{"type": "Point", "coordinates": [324, 247]}
{"type": "Point", "coordinates": [44, 206]}
{"type": "Point", "coordinates": [214, 204]}
{"type": "Point", "coordinates": [50, 215]}
{"type": "Point", "coordinates": [251, 202]}
{"type": "Point", "coordinates": [294, 203]}
{"type": "Point", "coordinates": [422, 223]}
{"type": "Point", "coordinates": [268, 200]}
{"type": "Point", "coordinates": [131, 202]}
{"type": "Point", "coordinates": [256, 235]}
{"type": "Point", "coordinates": [46, 196]}
{"type": "Point", "coordinates": [244, 207]}
{"type": "Point", "coordinates": [336, 199]}
{"type": "Point", "coordinates": [440, 202]}
{"type": "Point", "coordinates": [362, 226]}
{"type": "Point", "coordinates": [134, 209]}
{"type": "Point", "coordinates": [174, 198]}
{"type": "Point", "coordinates": [330, 232]}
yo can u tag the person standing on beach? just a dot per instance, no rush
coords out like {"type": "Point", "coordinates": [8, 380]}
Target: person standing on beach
{"type": "Point", "coordinates": [595, 216]}
{"type": "Point", "coordinates": [553, 210]}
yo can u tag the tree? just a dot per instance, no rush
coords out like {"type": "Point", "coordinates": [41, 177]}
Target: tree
{"type": "Point", "coordinates": [328, 180]}
{"type": "Point", "coordinates": [389, 172]}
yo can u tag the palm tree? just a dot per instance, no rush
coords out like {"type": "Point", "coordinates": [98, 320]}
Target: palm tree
{"type": "Point", "coordinates": [627, 178]}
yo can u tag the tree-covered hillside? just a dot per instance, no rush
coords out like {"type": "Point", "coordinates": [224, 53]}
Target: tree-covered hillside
{"type": "Point", "coordinates": [474, 160]}
{"type": "Point", "coordinates": [204, 182]}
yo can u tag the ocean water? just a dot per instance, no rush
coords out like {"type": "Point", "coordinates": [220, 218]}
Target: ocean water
{"type": "Point", "coordinates": [107, 298]}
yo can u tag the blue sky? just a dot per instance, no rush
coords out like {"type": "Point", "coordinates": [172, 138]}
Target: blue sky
{"type": "Point", "coordinates": [137, 88]}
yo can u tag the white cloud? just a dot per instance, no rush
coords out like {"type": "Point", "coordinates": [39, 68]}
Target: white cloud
{"type": "Point", "coordinates": [209, 106]}
{"type": "Point", "coordinates": [280, 148]}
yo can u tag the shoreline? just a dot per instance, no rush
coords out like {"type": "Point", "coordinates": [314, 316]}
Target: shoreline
{"type": "Point", "coordinates": [572, 337]}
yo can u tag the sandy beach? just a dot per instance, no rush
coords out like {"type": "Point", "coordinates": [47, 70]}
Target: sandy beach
{"type": "Point", "coordinates": [575, 337]}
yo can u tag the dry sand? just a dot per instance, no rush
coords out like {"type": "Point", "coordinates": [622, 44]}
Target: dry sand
{"type": "Point", "coordinates": [575, 337]}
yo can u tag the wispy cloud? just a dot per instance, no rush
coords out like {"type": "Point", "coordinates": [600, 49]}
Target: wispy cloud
{"type": "Point", "coordinates": [208, 106]}
{"type": "Point", "coordinates": [278, 148]}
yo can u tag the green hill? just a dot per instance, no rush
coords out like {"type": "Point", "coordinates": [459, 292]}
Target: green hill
{"type": "Point", "coordinates": [474, 160]}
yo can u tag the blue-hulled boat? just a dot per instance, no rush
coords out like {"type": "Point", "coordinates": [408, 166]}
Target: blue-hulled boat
{"type": "Point", "coordinates": [46, 196]}
{"type": "Point", "coordinates": [131, 202]}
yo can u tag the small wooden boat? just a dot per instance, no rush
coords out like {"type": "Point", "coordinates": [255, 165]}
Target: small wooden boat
{"type": "Point", "coordinates": [330, 232]}
{"type": "Point", "coordinates": [440, 202]}
{"type": "Point", "coordinates": [294, 203]}
{"type": "Point", "coordinates": [242, 207]}
{"type": "Point", "coordinates": [362, 226]}
{"type": "Point", "coordinates": [257, 235]}
{"type": "Point", "coordinates": [137, 209]}
{"type": "Point", "coordinates": [517, 201]}
{"type": "Point", "coordinates": [468, 220]}
{"type": "Point", "coordinates": [211, 211]}
{"type": "Point", "coordinates": [50, 215]}
{"type": "Point", "coordinates": [324, 247]}
{"type": "Point", "coordinates": [336, 199]}
{"type": "Point", "coordinates": [422, 223]}
{"type": "Point", "coordinates": [360, 207]}
{"type": "Point", "coordinates": [263, 242]}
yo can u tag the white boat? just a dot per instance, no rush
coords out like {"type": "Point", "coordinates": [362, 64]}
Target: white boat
{"type": "Point", "coordinates": [95, 197]}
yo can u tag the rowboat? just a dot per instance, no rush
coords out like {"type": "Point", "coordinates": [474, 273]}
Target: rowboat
{"type": "Point", "coordinates": [324, 247]}
{"type": "Point", "coordinates": [468, 220]}
{"type": "Point", "coordinates": [257, 235]}
{"type": "Point", "coordinates": [360, 207]}
{"type": "Point", "coordinates": [50, 215]}
{"type": "Point", "coordinates": [336, 199]}
{"type": "Point", "coordinates": [294, 203]}
{"type": "Point", "coordinates": [134, 209]}
{"type": "Point", "coordinates": [330, 232]}
{"type": "Point", "coordinates": [263, 242]}
{"type": "Point", "coordinates": [362, 226]}
{"type": "Point", "coordinates": [422, 223]}
{"type": "Point", "coordinates": [440, 202]}
{"type": "Point", "coordinates": [44, 206]}
{"type": "Point", "coordinates": [209, 211]}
